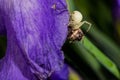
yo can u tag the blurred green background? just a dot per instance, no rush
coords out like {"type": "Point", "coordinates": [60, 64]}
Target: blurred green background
{"type": "Point", "coordinates": [97, 56]}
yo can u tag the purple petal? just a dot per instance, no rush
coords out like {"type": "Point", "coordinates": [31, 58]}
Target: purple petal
{"type": "Point", "coordinates": [2, 24]}
{"type": "Point", "coordinates": [36, 31]}
{"type": "Point", "coordinates": [63, 74]}
{"type": "Point", "coordinates": [116, 9]}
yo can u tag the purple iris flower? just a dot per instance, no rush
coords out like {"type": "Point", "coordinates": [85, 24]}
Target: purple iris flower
{"type": "Point", "coordinates": [36, 31]}
{"type": "Point", "coordinates": [116, 10]}
{"type": "Point", "coordinates": [61, 75]}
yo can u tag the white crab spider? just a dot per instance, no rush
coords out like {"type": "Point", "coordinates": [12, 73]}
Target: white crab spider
{"type": "Point", "coordinates": [75, 22]}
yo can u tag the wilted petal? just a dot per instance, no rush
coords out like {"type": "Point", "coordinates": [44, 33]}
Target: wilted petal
{"type": "Point", "coordinates": [36, 31]}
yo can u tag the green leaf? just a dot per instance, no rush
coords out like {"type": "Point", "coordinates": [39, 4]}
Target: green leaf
{"type": "Point", "coordinates": [104, 60]}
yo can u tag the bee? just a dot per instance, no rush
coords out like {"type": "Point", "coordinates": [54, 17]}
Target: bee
{"type": "Point", "coordinates": [75, 22]}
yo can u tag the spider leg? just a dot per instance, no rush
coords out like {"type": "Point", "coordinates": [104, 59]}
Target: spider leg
{"type": "Point", "coordinates": [82, 40]}
{"type": "Point", "coordinates": [86, 23]}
